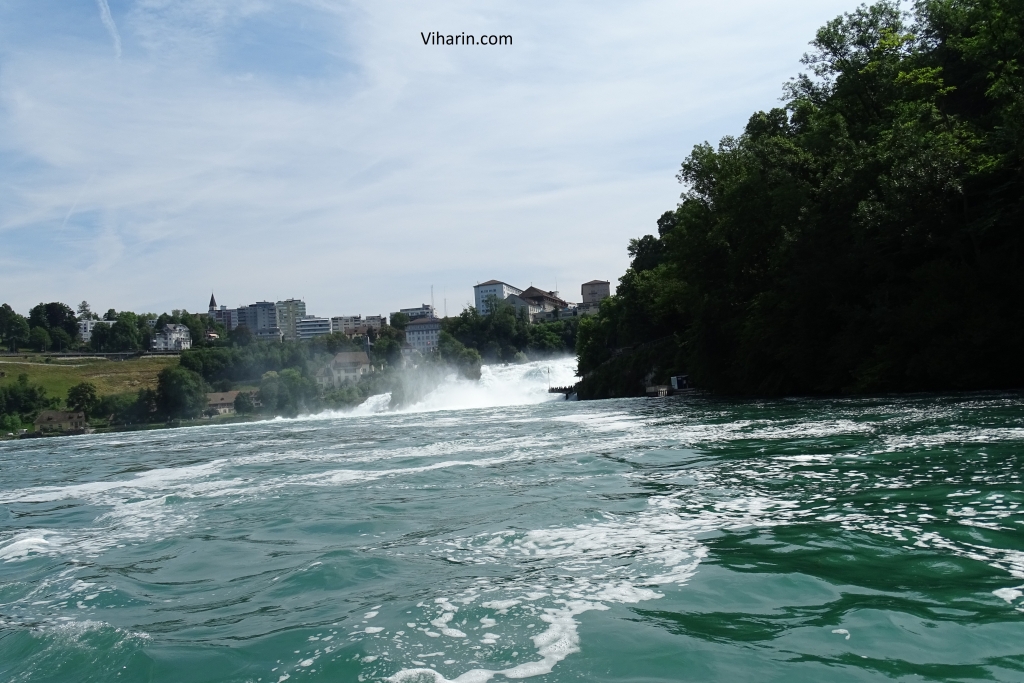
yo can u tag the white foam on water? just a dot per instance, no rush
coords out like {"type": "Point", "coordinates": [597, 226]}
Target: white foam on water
{"type": "Point", "coordinates": [499, 386]}
{"type": "Point", "coordinates": [574, 570]}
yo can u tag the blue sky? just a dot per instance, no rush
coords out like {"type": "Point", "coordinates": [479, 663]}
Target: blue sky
{"type": "Point", "coordinates": [153, 151]}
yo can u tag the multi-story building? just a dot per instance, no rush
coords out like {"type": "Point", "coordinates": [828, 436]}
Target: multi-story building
{"type": "Point", "coordinates": [548, 301]}
{"type": "Point", "coordinates": [346, 324]}
{"type": "Point", "coordinates": [423, 333]}
{"type": "Point", "coordinates": [522, 305]}
{"type": "Point", "coordinates": [172, 338]}
{"type": "Point", "coordinates": [593, 293]}
{"type": "Point", "coordinates": [492, 289]}
{"type": "Point", "coordinates": [289, 313]}
{"type": "Point", "coordinates": [85, 328]}
{"type": "Point", "coordinates": [228, 317]}
{"type": "Point", "coordinates": [310, 326]}
{"type": "Point", "coordinates": [356, 324]}
{"type": "Point", "coordinates": [424, 311]}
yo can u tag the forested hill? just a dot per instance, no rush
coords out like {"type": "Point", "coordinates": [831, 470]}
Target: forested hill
{"type": "Point", "coordinates": [864, 237]}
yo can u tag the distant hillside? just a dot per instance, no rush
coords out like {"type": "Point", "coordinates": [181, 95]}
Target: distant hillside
{"type": "Point", "coordinates": [109, 377]}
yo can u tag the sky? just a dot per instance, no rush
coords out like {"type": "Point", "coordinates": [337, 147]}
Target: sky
{"type": "Point", "coordinates": [155, 151]}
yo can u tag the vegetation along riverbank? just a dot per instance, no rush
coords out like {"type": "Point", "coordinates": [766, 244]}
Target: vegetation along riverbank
{"type": "Point", "coordinates": [866, 236]}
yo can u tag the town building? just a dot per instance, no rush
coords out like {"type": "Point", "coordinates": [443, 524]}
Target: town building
{"type": "Point", "coordinates": [523, 306]}
{"type": "Point", "coordinates": [60, 421]}
{"type": "Point", "coordinates": [172, 338]}
{"type": "Point", "coordinates": [228, 317]}
{"type": "Point", "coordinates": [289, 313]}
{"type": "Point", "coordinates": [548, 301]}
{"type": "Point", "coordinates": [423, 334]}
{"type": "Point", "coordinates": [492, 289]}
{"type": "Point", "coordinates": [85, 328]}
{"type": "Point", "coordinates": [346, 324]}
{"type": "Point", "coordinates": [222, 401]}
{"type": "Point", "coordinates": [347, 366]}
{"type": "Point", "coordinates": [423, 311]}
{"type": "Point", "coordinates": [594, 292]}
{"type": "Point", "coordinates": [310, 326]}
{"type": "Point", "coordinates": [357, 324]}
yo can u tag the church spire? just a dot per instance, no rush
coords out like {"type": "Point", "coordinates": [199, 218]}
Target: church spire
{"type": "Point", "coordinates": [213, 302]}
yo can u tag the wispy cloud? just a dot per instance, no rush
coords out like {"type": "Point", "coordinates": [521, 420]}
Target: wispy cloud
{"type": "Point", "coordinates": [318, 149]}
{"type": "Point", "coordinates": [108, 21]}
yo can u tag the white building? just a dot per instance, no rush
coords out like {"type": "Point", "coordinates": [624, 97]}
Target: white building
{"type": "Point", "coordinates": [422, 334]}
{"type": "Point", "coordinates": [423, 311]}
{"type": "Point", "coordinates": [172, 338]}
{"type": "Point", "coordinates": [345, 366]}
{"type": "Point", "coordinates": [85, 328]}
{"type": "Point", "coordinates": [310, 326]}
{"type": "Point", "coordinates": [356, 324]}
{"type": "Point", "coordinates": [484, 291]}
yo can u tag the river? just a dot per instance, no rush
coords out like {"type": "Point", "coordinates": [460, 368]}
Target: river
{"type": "Point", "coordinates": [496, 532]}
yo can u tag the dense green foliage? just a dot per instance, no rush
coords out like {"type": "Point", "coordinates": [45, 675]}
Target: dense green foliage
{"type": "Point", "coordinates": [180, 393]}
{"type": "Point", "coordinates": [865, 237]}
{"type": "Point", "coordinates": [504, 332]}
{"type": "Point", "coordinates": [83, 397]}
{"type": "Point", "coordinates": [245, 363]}
{"type": "Point", "coordinates": [14, 328]}
{"type": "Point", "coordinates": [19, 403]}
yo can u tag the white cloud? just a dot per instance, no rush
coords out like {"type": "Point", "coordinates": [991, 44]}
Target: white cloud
{"type": "Point", "coordinates": [108, 21]}
{"type": "Point", "coordinates": [318, 149]}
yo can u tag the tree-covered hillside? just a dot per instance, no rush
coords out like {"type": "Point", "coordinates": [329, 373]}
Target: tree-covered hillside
{"type": "Point", "coordinates": [867, 236]}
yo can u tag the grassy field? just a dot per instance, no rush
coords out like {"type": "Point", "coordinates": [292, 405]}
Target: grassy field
{"type": "Point", "coordinates": [109, 376]}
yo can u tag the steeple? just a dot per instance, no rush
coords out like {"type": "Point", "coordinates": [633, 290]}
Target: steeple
{"type": "Point", "coordinates": [213, 302]}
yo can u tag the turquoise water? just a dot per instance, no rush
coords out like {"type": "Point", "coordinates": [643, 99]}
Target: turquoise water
{"type": "Point", "coordinates": [679, 539]}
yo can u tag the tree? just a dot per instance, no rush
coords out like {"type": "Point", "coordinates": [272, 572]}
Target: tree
{"type": "Point", "coordinates": [39, 339]}
{"type": "Point", "coordinates": [180, 393]}
{"type": "Point", "coordinates": [14, 328]}
{"type": "Point", "coordinates": [85, 312]}
{"type": "Point", "coordinates": [399, 321]}
{"type": "Point", "coordinates": [52, 316]}
{"type": "Point", "coordinates": [864, 237]}
{"type": "Point", "coordinates": [83, 397]}
{"type": "Point", "coordinates": [241, 336]}
{"type": "Point", "coordinates": [60, 339]}
{"type": "Point", "coordinates": [244, 404]}
{"type": "Point", "coordinates": [18, 333]}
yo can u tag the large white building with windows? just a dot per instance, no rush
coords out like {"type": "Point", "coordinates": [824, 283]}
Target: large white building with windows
{"type": "Point", "coordinates": [423, 334]}
{"type": "Point", "coordinates": [310, 326]}
{"type": "Point", "coordinates": [484, 291]}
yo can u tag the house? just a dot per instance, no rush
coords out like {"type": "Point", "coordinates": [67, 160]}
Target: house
{"type": "Point", "coordinates": [345, 366]}
{"type": "Point", "coordinates": [495, 289]}
{"type": "Point", "coordinates": [594, 292]}
{"type": "Point", "coordinates": [423, 334]}
{"type": "Point", "coordinates": [222, 401]}
{"type": "Point", "coordinates": [310, 326]}
{"type": "Point", "coordinates": [172, 338]}
{"type": "Point", "coordinates": [60, 421]}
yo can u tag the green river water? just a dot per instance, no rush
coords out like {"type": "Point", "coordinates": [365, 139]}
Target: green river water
{"type": "Point", "coordinates": [492, 533]}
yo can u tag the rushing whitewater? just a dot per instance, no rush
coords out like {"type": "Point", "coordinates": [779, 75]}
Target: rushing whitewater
{"type": "Point", "coordinates": [494, 531]}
